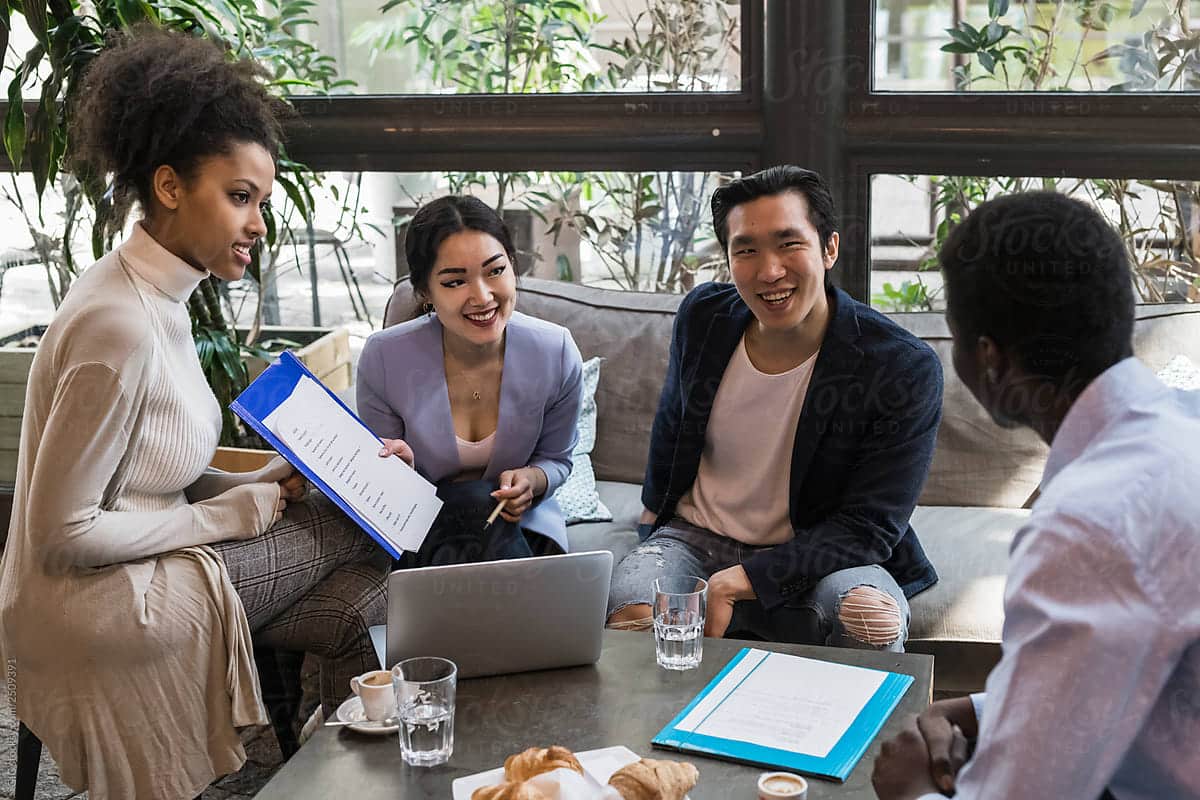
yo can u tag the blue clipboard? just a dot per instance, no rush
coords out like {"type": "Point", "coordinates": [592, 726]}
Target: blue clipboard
{"type": "Point", "coordinates": [264, 395]}
{"type": "Point", "coordinates": [837, 764]}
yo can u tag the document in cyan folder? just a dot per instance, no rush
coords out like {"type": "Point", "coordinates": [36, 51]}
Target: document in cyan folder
{"type": "Point", "coordinates": [785, 702]}
{"type": "Point", "coordinates": [787, 711]}
{"type": "Point", "coordinates": [386, 492]}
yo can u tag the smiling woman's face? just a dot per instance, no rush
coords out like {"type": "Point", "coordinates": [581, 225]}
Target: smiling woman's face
{"type": "Point", "coordinates": [473, 287]}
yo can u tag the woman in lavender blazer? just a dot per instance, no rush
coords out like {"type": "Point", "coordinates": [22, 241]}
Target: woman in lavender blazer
{"type": "Point", "coordinates": [480, 399]}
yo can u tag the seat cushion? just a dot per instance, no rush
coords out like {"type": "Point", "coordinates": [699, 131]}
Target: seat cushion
{"type": "Point", "coordinates": [624, 501]}
{"type": "Point", "coordinates": [969, 549]}
{"type": "Point", "coordinates": [959, 619]}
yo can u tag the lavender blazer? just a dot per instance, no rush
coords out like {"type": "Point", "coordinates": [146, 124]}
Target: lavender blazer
{"type": "Point", "coordinates": [402, 394]}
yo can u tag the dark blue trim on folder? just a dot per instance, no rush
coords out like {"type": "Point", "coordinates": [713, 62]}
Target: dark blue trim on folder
{"type": "Point", "coordinates": [837, 764]}
{"type": "Point", "coordinates": [264, 395]}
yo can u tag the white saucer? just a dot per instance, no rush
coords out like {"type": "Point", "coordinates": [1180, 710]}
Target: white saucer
{"type": "Point", "coordinates": [352, 711]}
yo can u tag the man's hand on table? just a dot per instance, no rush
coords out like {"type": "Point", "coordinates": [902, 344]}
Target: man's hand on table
{"type": "Point", "coordinates": [902, 768]}
{"type": "Point", "coordinates": [724, 589]}
{"type": "Point", "coordinates": [946, 726]}
{"type": "Point", "coordinates": [907, 769]}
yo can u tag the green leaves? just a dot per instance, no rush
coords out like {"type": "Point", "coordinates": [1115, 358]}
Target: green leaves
{"type": "Point", "coordinates": [908, 296]}
{"type": "Point", "coordinates": [221, 362]}
{"type": "Point", "coordinates": [14, 124]}
{"type": "Point", "coordinates": [5, 27]}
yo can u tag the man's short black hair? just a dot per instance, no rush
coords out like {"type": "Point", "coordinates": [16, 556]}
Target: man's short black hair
{"type": "Point", "coordinates": [1046, 276]}
{"type": "Point", "coordinates": [772, 181]}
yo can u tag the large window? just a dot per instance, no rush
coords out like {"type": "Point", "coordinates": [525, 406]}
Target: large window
{"type": "Point", "coordinates": [536, 46]}
{"type": "Point", "coordinates": [911, 215]}
{"type": "Point", "coordinates": [649, 231]}
{"type": "Point", "coordinates": [1037, 46]}
{"type": "Point", "coordinates": [601, 128]}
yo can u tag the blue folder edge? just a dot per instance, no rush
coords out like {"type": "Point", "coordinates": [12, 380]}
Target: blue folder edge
{"type": "Point", "coordinates": [841, 759]}
{"type": "Point", "coordinates": [264, 395]}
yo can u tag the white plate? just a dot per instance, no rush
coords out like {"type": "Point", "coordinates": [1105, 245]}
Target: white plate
{"type": "Point", "coordinates": [352, 711]}
{"type": "Point", "coordinates": [598, 766]}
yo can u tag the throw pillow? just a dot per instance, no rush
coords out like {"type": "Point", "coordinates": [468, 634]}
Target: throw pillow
{"type": "Point", "coordinates": [1181, 373]}
{"type": "Point", "coordinates": [577, 496]}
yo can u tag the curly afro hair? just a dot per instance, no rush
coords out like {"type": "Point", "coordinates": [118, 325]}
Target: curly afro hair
{"type": "Point", "coordinates": [154, 97]}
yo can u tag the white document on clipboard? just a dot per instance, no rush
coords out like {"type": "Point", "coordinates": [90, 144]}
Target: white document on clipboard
{"type": "Point", "coordinates": [387, 493]}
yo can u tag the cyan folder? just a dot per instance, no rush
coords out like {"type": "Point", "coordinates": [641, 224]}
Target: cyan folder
{"type": "Point", "coordinates": [837, 763]}
{"type": "Point", "coordinates": [263, 396]}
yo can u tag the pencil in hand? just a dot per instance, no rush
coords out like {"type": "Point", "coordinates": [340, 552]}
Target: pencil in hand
{"type": "Point", "coordinates": [496, 512]}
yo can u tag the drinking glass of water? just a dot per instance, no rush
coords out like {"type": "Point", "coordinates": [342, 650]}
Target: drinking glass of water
{"type": "Point", "coordinates": [679, 603]}
{"type": "Point", "coordinates": [425, 706]}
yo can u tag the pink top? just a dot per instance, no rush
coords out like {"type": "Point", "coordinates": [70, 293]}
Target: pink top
{"type": "Point", "coordinates": [741, 489]}
{"type": "Point", "coordinates": [475, 455]}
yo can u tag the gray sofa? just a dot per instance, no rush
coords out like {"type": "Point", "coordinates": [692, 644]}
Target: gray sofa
{"type": "Point", "coordinates": [982, 479]}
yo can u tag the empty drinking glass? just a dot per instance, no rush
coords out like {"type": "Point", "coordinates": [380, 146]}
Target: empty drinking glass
{"type": "Point", "coordinates": [425, 690]}
{"type": "Point", "coordinates": [679, 604]}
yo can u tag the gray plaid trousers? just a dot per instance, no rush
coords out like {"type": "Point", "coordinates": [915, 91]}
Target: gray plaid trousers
{"type": "Point", "coordinates": [314, 582]}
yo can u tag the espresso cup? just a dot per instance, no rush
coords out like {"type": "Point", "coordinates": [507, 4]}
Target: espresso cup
{"type": "Point", "coordinates": [375, 690]}
{"type": "Point", "coordinates": [781, 786]}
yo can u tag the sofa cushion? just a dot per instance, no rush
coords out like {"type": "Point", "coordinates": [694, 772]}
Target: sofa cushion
{"type": "Point", "coordinates": [577, 495]}
{"type": "Point", "coordinates": [1181, 373]}
{"type": "Point", "coordinates": [978, 463]}
{"type": "Point", "coordinates": [969, 549]}
{"type": "Point", "coordinates": [975, 462]}
{"type": "Point", "coordinates": [624, 501]}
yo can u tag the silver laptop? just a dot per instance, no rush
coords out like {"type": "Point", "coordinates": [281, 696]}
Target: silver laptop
{"type": "Point", "coordinates": [499, 617]}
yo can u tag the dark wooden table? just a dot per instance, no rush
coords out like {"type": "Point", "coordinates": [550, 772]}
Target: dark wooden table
{"type": "Point", "coordinates": [625, 699]}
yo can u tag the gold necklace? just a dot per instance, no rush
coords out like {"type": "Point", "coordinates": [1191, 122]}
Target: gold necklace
{"type": "Point", "coordinates": [463, 376]}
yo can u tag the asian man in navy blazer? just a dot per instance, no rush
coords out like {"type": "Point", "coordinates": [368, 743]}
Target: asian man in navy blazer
{"type": "Point", "coordinates": [794, 432]}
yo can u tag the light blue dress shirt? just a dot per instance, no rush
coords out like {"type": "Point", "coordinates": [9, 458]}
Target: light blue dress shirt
{"type": "Point", "coordinates": [1099, 683]}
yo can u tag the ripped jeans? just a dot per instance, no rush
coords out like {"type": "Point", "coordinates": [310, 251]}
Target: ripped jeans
{"type": "Point", "coordinates": [859, 607]}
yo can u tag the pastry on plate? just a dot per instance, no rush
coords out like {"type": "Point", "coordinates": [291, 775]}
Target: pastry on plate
{"type": "Point", "coordinates": [509, 790]}
{"type": "Point", "coordinates": [652, 779]}
{"type": "Point", "coordinates": [536, 760]}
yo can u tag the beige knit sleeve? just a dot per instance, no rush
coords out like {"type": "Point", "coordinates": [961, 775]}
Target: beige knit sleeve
{"type": "Point", "coordinates": [83, 441]}
{"type": "Point", "coordinates": [214, 481]}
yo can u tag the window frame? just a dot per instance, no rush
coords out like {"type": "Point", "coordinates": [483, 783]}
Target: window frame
{"type": "Point", "coordinates": [806, 97]}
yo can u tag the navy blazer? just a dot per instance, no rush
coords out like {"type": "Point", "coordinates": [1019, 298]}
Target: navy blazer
{"type": "Point", "coordinates": [863, 444]}
{"type": "Point", "coordinates": [402, 394]}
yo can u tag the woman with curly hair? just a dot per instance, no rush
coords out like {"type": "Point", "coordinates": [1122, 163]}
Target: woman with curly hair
{"type": "Point", "coordinates": [134, 577]}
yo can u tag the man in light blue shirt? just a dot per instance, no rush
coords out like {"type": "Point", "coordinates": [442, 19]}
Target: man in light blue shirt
{"type": "Point", "coordinates": [1098, 689]}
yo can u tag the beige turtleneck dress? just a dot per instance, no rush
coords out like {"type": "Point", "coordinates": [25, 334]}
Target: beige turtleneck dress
{"type": "Point", "coordinates": [125, 647]}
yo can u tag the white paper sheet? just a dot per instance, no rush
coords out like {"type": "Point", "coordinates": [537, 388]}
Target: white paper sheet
{"type": "Point", "coordinates": [786, 702]}
{"type": "Point", "coordinates": [391, 496]}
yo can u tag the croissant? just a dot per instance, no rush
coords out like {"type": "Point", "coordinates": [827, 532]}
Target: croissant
{"type": "Point", "coordinates": [508, 791]}
{"type": "Point", "coordinates": [536, 760]}
{"type": "Point", "coordinates": [651, 779]}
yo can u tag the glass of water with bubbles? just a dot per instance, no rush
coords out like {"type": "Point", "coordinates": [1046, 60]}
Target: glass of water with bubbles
{"type": "Point", "coordinates": [425, 690]}
{"type": "Point", "coordinates": [679, 604]}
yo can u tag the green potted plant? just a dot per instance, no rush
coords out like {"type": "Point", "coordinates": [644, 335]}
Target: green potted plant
{"type": "Point", "coordinates": [68, 34]}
